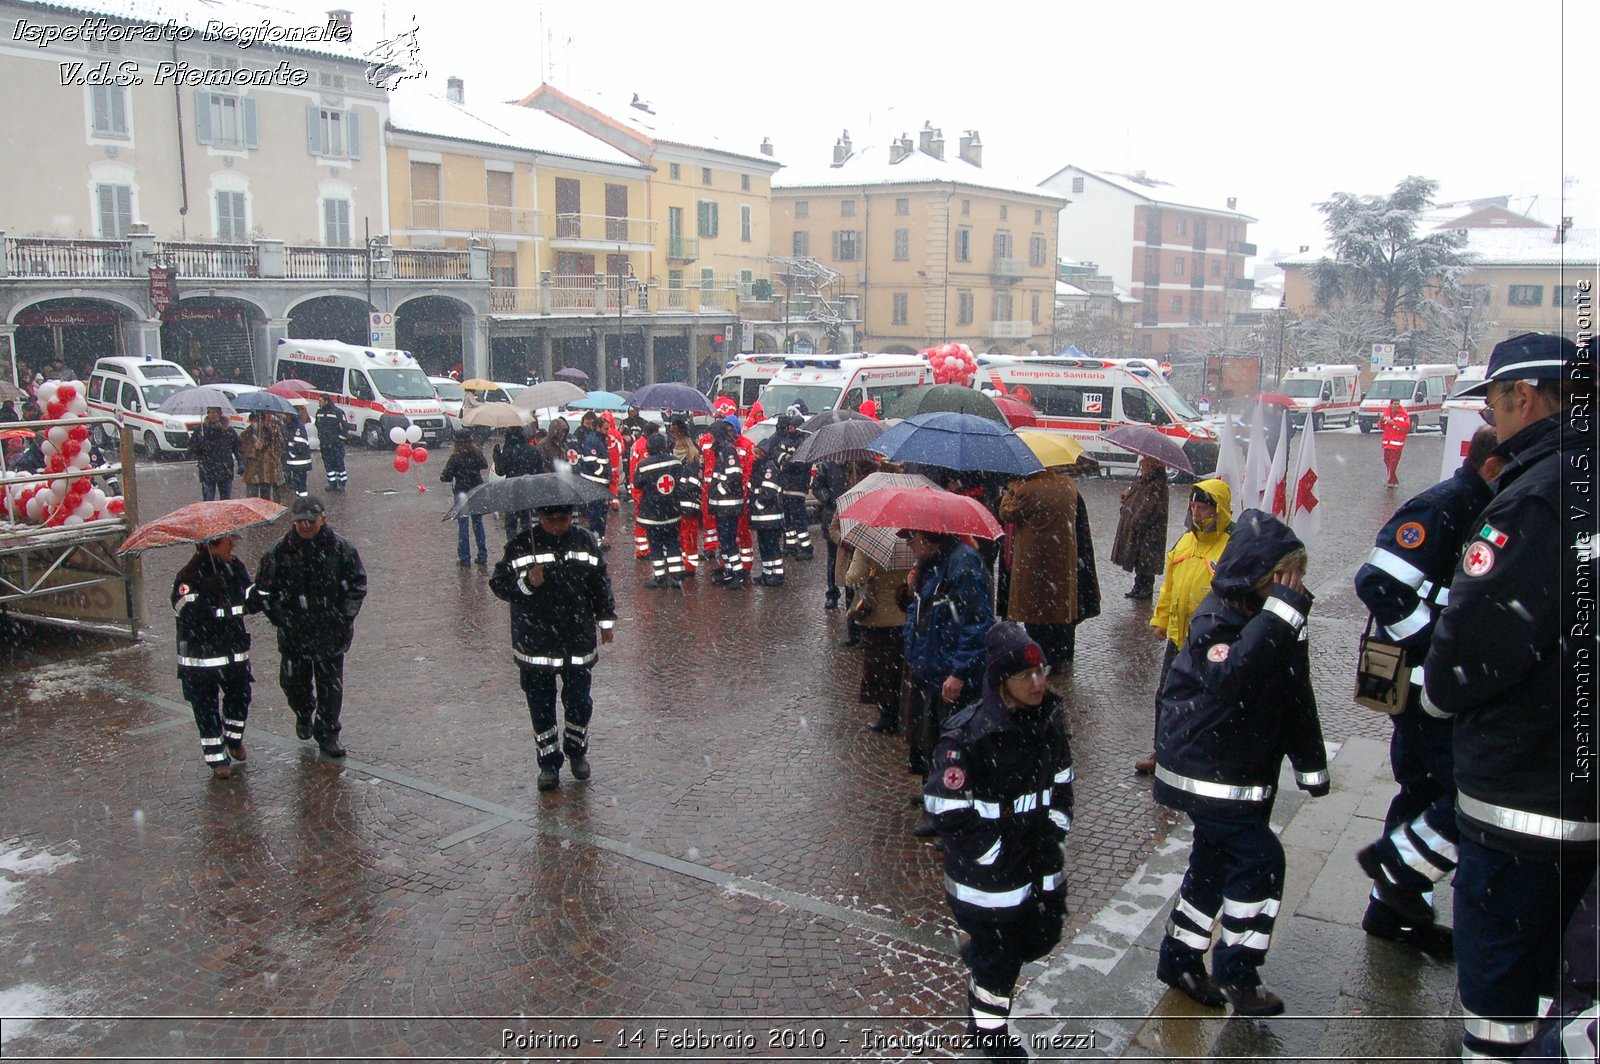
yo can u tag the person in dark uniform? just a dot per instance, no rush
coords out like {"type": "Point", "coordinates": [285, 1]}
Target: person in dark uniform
{"type": "Point", "coordinates": [1237, 699]}
{"type": "Point", "coordinates": [1403, 582]}
{"type": "Point", "coordinates": [725, 497]}
{"type": "Point", "coordinates": [331, 434]}
{"type": "Point", "coordinates": [999, 789]}
{"type": "Point", "coordinates": [555, 579]}
{"type": "Point", "coordinates": [210, 596]}
{"type": "Point", "coordinates": [1512, 663]}
{"type": "Point", "coordinates": [592, 458]}
{"type": "Point", "coordinates": [658, 481]}
{"type": "Point", "coordinates": [311, 585]}
{"type": "Point", "coordinates": [517, 457]}
{"type": "Point", "coordinates": [767, 515]}
{"type": "Point", "coordinates": [795, 480]}
{"type": "Point", "coordinates": [218, 455]}
{"type": "Point", "coordinates": [296, 455]}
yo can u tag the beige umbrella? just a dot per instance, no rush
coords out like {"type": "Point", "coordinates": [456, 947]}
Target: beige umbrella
{"type": "Point", "coordinates": [493, 416]}
{"type": "Point", "coordinates": [548, 393]}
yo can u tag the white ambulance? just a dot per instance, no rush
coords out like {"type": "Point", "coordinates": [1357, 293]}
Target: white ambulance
{"type": "Point", "coordinates": [1421, 390]}
{"type": "Point", "coordinates": [1323, 393]}
{"type": "Point", "coordinates": [1084, 397]}
{"type": "Point", "coordinates": [376, 388]}
{"type": "Point", "coordinates": [131, 389]}
{"type": "Point", "coordinates": [1471, 407]}
{"type": "Point", "coordinates": [842, 382]}
{"type": "Point", "coordinates": [744, 378]}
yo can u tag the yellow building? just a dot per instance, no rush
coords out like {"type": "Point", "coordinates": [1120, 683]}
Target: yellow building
{"type": "Point", "coordinates": [934, 247]}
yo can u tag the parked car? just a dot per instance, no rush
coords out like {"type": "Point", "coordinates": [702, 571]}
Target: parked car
{"type": "Point", "coordinates": [451, 395]}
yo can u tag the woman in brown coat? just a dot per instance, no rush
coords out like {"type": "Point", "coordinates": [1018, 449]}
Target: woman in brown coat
{"type": "Point", "coordinates": [1053, 580]}
{"type": "Point", "coordinates": [1140, 546]}
{"type": "Point", "coordinates": [262, 444]}
{"type": "Point", "coordinates": [878, 620]}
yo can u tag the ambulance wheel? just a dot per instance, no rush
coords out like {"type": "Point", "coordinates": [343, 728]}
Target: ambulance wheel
{"type": "Point", "coordinates": [1317, 422]}
{"type": "Point", "coordinates": [152, 446]}
{"type": "Point", "coordinates": [1366, 426]}
{"type": "Point", "coordinates": [372, 435]}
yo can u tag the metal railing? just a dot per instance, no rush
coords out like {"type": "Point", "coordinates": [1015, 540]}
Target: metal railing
{"type": "Point", "coordinates": [443, 215]}
{"type": "Point", "coordinates": [683, 248]}
{"type": "Point", "coordinates": [602, 228]}
{"type": "Point", "coordinates": [1008, 267]}
{"type": "Point", "coordinates": [46, 257]}
{"type": "Point", "coordinates": [197, 259]}
{"type": "Point", "coordinates": [430, 264]}
{"type": "Point", "coordinates": [1010, 330]}
{"type": "Point", "coordinates": [308, 263]}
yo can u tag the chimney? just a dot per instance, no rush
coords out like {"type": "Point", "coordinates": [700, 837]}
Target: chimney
{"type": "Point", "coordinates": [900, 148]}
{"type": "Point", "coordinates": [766, 146]}
{"type": "Point", "coordinates": [1304, 248]}
{"type": "Point", "coordinates": [931, 141]}
{"type": "Point", "coordinates": [639, 104]}
{"type": "Point", "coordinates": [936, 145]}
{"type": "Point", "coordinates": [1233, 202]}
{"type": "Point", "coordinates": [842, 149]}
{"type": "Point", "coordinates": [456, 90]}
{"type": "Point", "coordinates": [340, 19]}
{"type": "Point", "coordinates": [972, 148]}
{"type": "Point", "coordinates": [1561, 230]}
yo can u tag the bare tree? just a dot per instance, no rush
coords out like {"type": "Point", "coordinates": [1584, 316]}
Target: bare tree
{"type": "Point", "coordinates": [1095, 334]}
{"type": "Point", "coordinates": [1343, 334]}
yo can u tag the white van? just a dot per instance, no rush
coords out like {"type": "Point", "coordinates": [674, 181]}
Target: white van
{"type": "Point", "coordinates": [1084, 397]}
{"type": "Point", "coordinates": [1324, 393]}
{"type": "Point", "coordinates": [376, 388]}
{"type": "Point", "coordinates": [1472, 406]}
{"type": "Point", "coordinates": [1420, 389]}
{"type": "Point", "coordinates": [842, 382]}
{"type": "Point", "coordinates": [131, 389]}
{"type": "Point", "coordinates": [744, 378]}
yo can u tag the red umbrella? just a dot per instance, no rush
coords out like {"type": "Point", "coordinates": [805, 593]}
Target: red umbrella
{"type": "Point", "coordinates": [16, 434]}
{"type": "Point", "coordinates": [291, 388]}
{"type": "Point", "coordinates": [1275, 399]}
{"type": "Point", "coordinates": [925, 510]}
{"type": "Point", "coordinates": [1018, 414]}
{"type": "Point", "coordinates": [201, 521]}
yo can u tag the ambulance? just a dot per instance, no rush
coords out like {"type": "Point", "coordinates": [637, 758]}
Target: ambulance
{"type": "Point", "coordinates": [744, 378]}
{"type": "Point", "coordinates": [1472, 407]}
{"type": "Point", "coordinates": [1323, 393]}
{"type": "Point", "coordinates": [1421, 390]}
{"type": "Point", "coordinates": [376, 388]}
{"type": "Point", "coordinates": [1084, 397]}
{"type": "Point", "coordinates": [842, 382]}
{"type": "Point", "coordinates": [131, 390]}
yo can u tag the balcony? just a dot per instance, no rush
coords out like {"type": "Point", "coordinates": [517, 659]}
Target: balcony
{"type": "Point", "coordinates": [683, 248]}
{"type": "Point", "coordinates": [318, 263]}
{"type": "Point", "coordinates": [422, 264]}
{"type": "Point", "coordinates": [45, 257]}
{"type": "Point", "coordinates": [1007, 267]}
{"type": "Point", "coordinates": [1152, 278]}
{"type": "Point", "coordinates": [442, 216]}
{"type": "Point", "coordinates": [1239, 247]}
{"type": "Point", "coordinates": [196, 259]}
{"type": "Point", "coordinates": [1010, 330]}
{"type": "Point", "coordinates": [1243, 284]}
{"type": "Point", "coordinates": [601, 232]}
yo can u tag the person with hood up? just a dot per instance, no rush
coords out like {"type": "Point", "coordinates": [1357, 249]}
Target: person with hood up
{"type": "Point", "coordinates": [211, 595]}
{"type": "Point", "coordinates": [1142, 528]}
{"type": "Point", "coordinates": [516, 457]}
{"type": "Point", "coordinates": [1188, 578]}
{"type": "Point", "coordinates": [215, 446]}
{"type": "Point", "coordinates": [1237, 699]}
{"type": "Point", "coordinates": [556, 447]}
{"type": "Point", "coordinates": [262, 444]}
{"type": "Point", "coordinates": [999, 789]}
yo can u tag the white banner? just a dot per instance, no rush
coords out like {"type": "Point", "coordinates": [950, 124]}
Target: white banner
{"type": "Point", "coordinates": [1459, 428]}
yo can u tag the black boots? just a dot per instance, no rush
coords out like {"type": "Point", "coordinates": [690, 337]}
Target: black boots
{"type": "Point", "coordinates": [1143, 586]}
{"type": "Point", "coordinates": [888, 722]}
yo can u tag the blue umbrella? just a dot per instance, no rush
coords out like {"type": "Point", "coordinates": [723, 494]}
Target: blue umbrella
{"type": "Point", "coordinates": [670, 395]}
{"type": "Point", "coordinates": [600, 401]}
{"type": "Point", "coordinates": [190, 401]}
{"type": "Point", "coordinates": [267, 401]}
{"type": "Point", "coordinates": [964, 442]}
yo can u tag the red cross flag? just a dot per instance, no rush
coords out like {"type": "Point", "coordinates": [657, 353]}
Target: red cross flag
{"type": "Point", "coordinates": [1305, 515]}
{"type": "Point", "coordinates": [1275, 499]}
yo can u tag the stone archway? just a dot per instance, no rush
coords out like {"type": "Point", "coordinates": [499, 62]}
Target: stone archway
{"type": "Point", "coordinates": [330, 318]}
{"type": "Point", "coordinates": [71, 330]}
{"type": "Point", "coordinates": [433, 328]}
{"type": "Point", "coordinates": [212, 337]}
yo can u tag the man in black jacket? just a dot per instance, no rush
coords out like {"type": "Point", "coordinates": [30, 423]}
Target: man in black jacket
{"type": "Point", "coordinates": [210, 596]}
{"type": "Point", "coordinates": [794, 478]}
{"type": "Point", "coordinates": [1000, 791]}
{"type": "Point", "coordinates": [658, 481]}
{"type": "Point", "coordinates": [1513, 662]}
{"type": "Point", "coordinates": [1404, 582]}
{"type": "Point", "coordinates": [1237, 699]}
{"type": "Point", "coordinates": [331, 434]}
{"type": "Point", "coordinates": [215, 446]}
{"type": "Point", "coordinates": [554, 577]}
{"type": "Point", "coordinates": [311, 585]}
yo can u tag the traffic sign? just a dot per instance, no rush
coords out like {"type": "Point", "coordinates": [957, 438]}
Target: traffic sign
{"type": "Point", "coordinates": [1382, 355]}
{"type": "Point", "coordinates": [382, 332]}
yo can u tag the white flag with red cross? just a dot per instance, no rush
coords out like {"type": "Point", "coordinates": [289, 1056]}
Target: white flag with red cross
{"type": "Point", "coordinates": [1305, 504]}
{"type": "Point", "coordinates": [1275, 499]}
{"type": "Point", "coordinates": [1257, 462]}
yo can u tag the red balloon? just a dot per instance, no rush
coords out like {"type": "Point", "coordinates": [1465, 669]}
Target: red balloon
{"type": "Point", "coordinates": [116, 506]}
{"type": "Point", "coordinates": [66, 393]}
{"type": "Point", "coordinates": [55, 410]}
{"type": "Point", "coordinates": [78, 432]}
{"type": "Point", "coordinates": [71, 448]}
{"type": "Point", "coordinates": [404, 450]}
{"type": "Point", "coordinates": [419, 455]}
{"type": "Point", "coordinates": [57, 464]}
{"type": "Point", "coordinates": [401, 463]}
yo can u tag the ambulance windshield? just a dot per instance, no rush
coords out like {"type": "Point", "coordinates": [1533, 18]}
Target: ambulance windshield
{"type": "Point", "coordinates": [779, 396]}
{"type": "Point", "coordinates": [402, 383]}
{"type": "Point", "coordinates": [1174, 402]}
{"type": "Point", "coordinates": [1304, 388]}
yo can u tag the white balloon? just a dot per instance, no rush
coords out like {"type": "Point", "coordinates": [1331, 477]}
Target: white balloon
{"type": "Point", "coordinates": [36, 507]}
{"type": "Point", "coordinates": [56, 491]}
{"type": "Point", "coordinates": [79, 407]}
{"type": "Point", "coordinates": [397, 435]}
{"type": "Point", "coordinates": [57, 435]}
{"type": "Point", "coordinates": [85, 510]}
{"type": "Point", "coordinates": [47, 392]}
{"type": "Point", "coordinates": [414, 434]}
{"type": "Point", "coordinates": [97, 498]}
{"type": "Point", "coordinates": [72, 520]}
{"type": "Point", "coordinates": [79, 460]}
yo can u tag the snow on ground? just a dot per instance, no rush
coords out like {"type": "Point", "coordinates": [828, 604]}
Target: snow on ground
{"type": "Point", "coordinates": [52, 681]}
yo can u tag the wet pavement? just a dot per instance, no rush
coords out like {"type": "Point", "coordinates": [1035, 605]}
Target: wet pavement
{"type": "Point", "coordinates": [737, 880]}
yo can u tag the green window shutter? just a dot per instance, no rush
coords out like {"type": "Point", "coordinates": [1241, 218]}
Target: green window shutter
{"type": "Point", "coordinates": [313, 130]}
{"type": "Point", "coordinates": [250, 139]}
{"type": "Point", "coordinates": [202, 117]}
{"type": "Point", "coordinates": [352, 133]}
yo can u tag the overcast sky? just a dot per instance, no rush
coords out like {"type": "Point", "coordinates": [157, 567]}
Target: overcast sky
{"type": "Point", "coordinates": [1278, 104]}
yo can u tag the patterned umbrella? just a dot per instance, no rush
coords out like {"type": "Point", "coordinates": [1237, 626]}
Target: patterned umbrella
{"type": "Point", "coordinates": [882, 545]}
{"type": "Point", "coordinates": [925, 510]}
{"type": "Point", "coordinates": [963, 442]}
{"type": "Point", "coordinates": [549, 393]}
{"type": "Point", "coordinates": [670, 395]}
{"type": "Point", "coordinates": [195, 401]}
{"type": "Point", "coordinates": [201, 521]}
{"type": "Point", "coordinates": [842, 441]}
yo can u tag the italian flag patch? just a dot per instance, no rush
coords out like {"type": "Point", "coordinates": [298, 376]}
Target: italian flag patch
{"type": "Point", "coordinates": [1494, 535]}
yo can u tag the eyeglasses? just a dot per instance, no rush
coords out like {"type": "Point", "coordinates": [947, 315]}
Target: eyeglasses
{"type": "Point", "coordinates": [1488, 412]}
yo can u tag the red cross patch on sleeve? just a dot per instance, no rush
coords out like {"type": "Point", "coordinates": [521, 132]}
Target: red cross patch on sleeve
{"type": "Point", "coordinates": [954, 778]}
{"type": "Point", "coordinates": [1479, 559]}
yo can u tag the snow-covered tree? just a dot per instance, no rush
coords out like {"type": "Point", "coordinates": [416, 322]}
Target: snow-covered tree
{"type": "Point", "coordinates": [1099, 335]}
{"type": "Point", "coordinates": [1344, 334]}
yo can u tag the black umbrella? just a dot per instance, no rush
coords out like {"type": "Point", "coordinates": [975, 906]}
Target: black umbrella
{"type": "Point", "coordinates": [842, 441]}
{"type": "Point", "coordinates": [529, 493]}
{"type": "Point", "coordinates": [571, 374]}
{"type": "Point", "coordinates": [830, 417]}
{"type": "Point", "coordinates": [670, 395]}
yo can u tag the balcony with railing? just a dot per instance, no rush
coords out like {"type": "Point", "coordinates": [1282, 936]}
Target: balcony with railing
{"type": "Point", "coordinates": [48, 257]}
{"type": "Point", "coordinates": [210, 260]}
{"type": "Point", "coordinates": [603, 232]}
{"type": "Point", "coordinates": [1010, 330]}
{"type": "Point", "coordinates": [1008, 267]}
{"type": "Point", "coordinates": [1243, 284]}
{"type": "Point", "coordinates": [448, 216]}
{"type": "Point", "coordinates": [431, 264]}
{"type": "Point", "coordinates": [305, 263]}
{"type": "Point", "coordinates": [1241, 247]}
{"type": "Point", "coordinates": [683, 248]}
{"type": "Point", "coordinates": [1198, 279]}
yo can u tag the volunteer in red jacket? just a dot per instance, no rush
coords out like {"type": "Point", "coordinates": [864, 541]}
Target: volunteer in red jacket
{"type": "Point", "coordinates": [1396, 425]}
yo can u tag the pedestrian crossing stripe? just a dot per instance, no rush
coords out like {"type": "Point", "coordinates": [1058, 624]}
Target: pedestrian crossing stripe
{"type": "Point", "coordinates": [1494, 535]}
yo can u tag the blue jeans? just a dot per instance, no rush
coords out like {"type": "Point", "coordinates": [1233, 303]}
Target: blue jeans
{"type": "Point", "coordinates": [211, 490]}
{"type": "Point", "coordinates": [463, 554]}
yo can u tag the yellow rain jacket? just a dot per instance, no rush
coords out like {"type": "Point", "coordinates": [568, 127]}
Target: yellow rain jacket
{"type": "Point", "coordinates": [1190, 564]}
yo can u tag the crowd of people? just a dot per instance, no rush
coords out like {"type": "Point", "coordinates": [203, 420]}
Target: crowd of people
{"type": "Point", "coordinates": [1472, 578]}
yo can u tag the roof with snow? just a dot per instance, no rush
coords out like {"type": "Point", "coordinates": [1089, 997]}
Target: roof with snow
{"type": "Point", "coordinates": [1070, 291]}
{"type": "Point", "coordinates": [1156, 190]}
{"type": "Point", "coordinates": [871, 166]}
{"type": "Point", "coordinates": [233, 14]}
{"type": "Point", "coordinates": [1517, 246]}
{"type": "Point", "coordinates": [412, 109]}
{"type": "Point", "coordinates": [688, 130]}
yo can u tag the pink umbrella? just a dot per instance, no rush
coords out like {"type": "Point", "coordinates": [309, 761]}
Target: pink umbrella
{"type": "Point", "coordinates": [924, 510]}
{"type": "Point", "coordinates": [1018, 414]}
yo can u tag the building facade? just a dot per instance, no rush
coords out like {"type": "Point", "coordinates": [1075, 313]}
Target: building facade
{"type": "Point", "coordinates": [932, 248]}
{"type": "Point", "coordinates": [1181, 255]}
